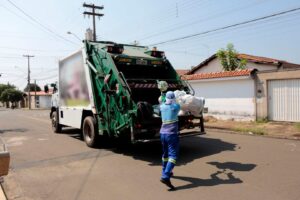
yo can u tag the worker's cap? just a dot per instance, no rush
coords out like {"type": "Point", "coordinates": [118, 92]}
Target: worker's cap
{"type": "Point", "coordinates": [170, 97]}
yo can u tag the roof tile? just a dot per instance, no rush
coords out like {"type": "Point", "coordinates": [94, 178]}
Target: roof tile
{"type": "Point", "coordinates": [182, 71]}
{"type": "Point", "coordinates": [224, 74]}
{"type": "Point", "coordinates": [259, 59]}
{"type": "Point", "coordinates": [41, 93]}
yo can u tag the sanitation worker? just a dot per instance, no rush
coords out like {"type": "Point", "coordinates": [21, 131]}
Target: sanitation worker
{"type": "Point", "coordinates": [169, 137]}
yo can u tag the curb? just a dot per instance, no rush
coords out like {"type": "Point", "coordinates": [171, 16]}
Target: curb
{"type": "Point", "coordinates": [2, 193]}
{"type": "Point", "coordinates": [225, 130]}
{"type": "Point", "coordinates": [4, 167]}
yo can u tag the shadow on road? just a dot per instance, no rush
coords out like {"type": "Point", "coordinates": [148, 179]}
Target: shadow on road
{"type": "Point", "coordinates": [233, 166]}
{"type": "Point", "coordinates": [190, 148]}
{"type": "Point", "coordinates": [74, 133]}
{"type": "Point", "coordinates": [214, 179]}
{"type": "Point", "coordinates": [18, 130]}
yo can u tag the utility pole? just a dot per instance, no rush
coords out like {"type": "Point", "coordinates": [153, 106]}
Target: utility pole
{"type": "Point", "coordinates": [94, 14]}
{"type": "Point", "coordinates": [34, 93]}
{"type": "Point", "coordinates": [28, 84]}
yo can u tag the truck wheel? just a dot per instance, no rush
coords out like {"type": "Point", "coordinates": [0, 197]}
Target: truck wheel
{"type": "Point", "coordinates": [90, 133]}
{"type": "Point", "coordinates": [56, 127]}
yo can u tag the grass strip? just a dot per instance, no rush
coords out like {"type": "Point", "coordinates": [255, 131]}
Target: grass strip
{"type": "Point", "coordinates": [253, 130]}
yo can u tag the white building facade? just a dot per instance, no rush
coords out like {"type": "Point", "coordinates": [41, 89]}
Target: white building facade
{"type": "Point", "coordinates": [242, 95]}
{"type": "Point", "coordinates": [228, 98]}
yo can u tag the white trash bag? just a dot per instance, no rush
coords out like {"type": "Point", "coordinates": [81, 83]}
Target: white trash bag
{"type": "Point", "coordinates": [189, 103]}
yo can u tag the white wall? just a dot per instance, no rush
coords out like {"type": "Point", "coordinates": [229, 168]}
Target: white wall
{"type": "Point", "coordinates": [260, 67]}
{"type": "Point", "coordinates": [45, 101]}
{"type": "Point", "coordinates": [42, 102]}
{"type": "Point", "coordinates": [215, 66]}
{"type": "Point", "coordinates": [227, 98]}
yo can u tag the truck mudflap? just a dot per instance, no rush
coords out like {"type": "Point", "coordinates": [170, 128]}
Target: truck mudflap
{"type": "Point", "coordinates": [183, 134]}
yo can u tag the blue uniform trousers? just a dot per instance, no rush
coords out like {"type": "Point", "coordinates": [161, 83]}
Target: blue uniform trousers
{"type": "Point", "coordinates": [170, 148]}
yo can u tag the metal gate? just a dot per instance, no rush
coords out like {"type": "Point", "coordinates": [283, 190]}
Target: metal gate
{"type": "Point", "coordinates": [284, 100]}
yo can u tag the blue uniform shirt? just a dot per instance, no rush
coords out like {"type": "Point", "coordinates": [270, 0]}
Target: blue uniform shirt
{"type": "Point", "coordinates": [169, 116]}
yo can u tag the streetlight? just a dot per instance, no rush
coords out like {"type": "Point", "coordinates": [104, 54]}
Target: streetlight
{"type": "Point", "coordinates": [70, 33]}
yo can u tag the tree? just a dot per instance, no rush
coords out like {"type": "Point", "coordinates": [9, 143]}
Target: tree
{"type": "Point", "coordinates": [229, 59]}
{"type": "Point", "coordinates": [32, 88]}
{"type": "Point", "coordinates": [4, 87]}
{"type": "Point", "coordinates": [12, 95]}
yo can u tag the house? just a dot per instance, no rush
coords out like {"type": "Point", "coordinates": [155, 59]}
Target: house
{"type": "Point", "coordinates": [278, 95]}
{"type": "Point", "coordinates": [267, 89]}
{"type": "Point", "coordinates": [182, 71]}
{"type": "Point", "coordinates": [212, 64]}
{"type": "Point", "coordinates": [39, 99]}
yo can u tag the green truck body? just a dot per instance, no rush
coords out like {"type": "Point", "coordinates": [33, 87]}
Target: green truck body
{"type": "Point", "coordinates": [122, 83]}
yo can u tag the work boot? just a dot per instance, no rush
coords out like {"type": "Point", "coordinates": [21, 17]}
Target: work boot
{"type": "Point", "coordinates": [168, 183]}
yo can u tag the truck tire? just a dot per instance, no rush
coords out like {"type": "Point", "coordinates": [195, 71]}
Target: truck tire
{"type": "Point", "coordinates": [90, 133]}
{"type": "Point", "coordinates": [56, 127]}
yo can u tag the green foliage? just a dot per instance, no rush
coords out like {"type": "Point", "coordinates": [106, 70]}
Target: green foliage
{"type": "Point", "coordinates": [262, 120]}
{"type": "Point", "coordinates": [32, 88]}
{"type": "Point", "coordinates": [229, 59]}
{"type": "Point", "coordinates": [297, 126]}
{"type": "Point", "coordinates": [4, 87]}
{"type": "Point", "coordinates": [11, 95]}
{"type": "Point", "coordinates": [252, 130]}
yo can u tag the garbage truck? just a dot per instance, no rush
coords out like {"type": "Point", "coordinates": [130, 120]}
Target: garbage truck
{"type": "Point", "coordinates": [112, 90]}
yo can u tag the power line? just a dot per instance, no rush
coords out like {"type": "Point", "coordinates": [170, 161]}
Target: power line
{"type": "Point", "coordinates": [40, 24]}
{"type": "Point", "coordinates": [227, 27]}
{"type": "Point", "coordinates": [47, 78]}
{"type": "Point", "coordinates": [72, 17]}
{"type": "Point", "coordinates": [40, 56]}
{"type": "Point", "coordinates": [251, 34]}
{"type": "Point", "coordinates": [14, 13]}
{"type": "Point", "coordinates": [216, 37]}
{"type": "Point", "coordinates": [205, 19]}
{"type": "Point", "coordinates": [43, 50]}
{"type": "Point", "coordinates": [47, 71]}
{"type": "Point", "coordinates": [170, 14]}
{"type": "Point", "coordinates": [267, 34]}
{"type": "Point", "coordinates": [204, 6]}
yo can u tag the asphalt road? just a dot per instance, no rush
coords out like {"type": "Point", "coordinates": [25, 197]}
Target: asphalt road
{"type": "Point", "coordinates": [218, 165]}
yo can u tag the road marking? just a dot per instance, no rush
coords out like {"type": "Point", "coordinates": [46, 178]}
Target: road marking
{"type": "Point", "coordinates": [16, 141]}
{"type": "Point", "coordinates": [293, 146]}
{"type": "Point", "coordinates": [42, 139]}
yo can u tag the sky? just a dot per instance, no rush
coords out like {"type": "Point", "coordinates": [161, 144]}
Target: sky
{"type": "Point", "coordinates": [40, 28]}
